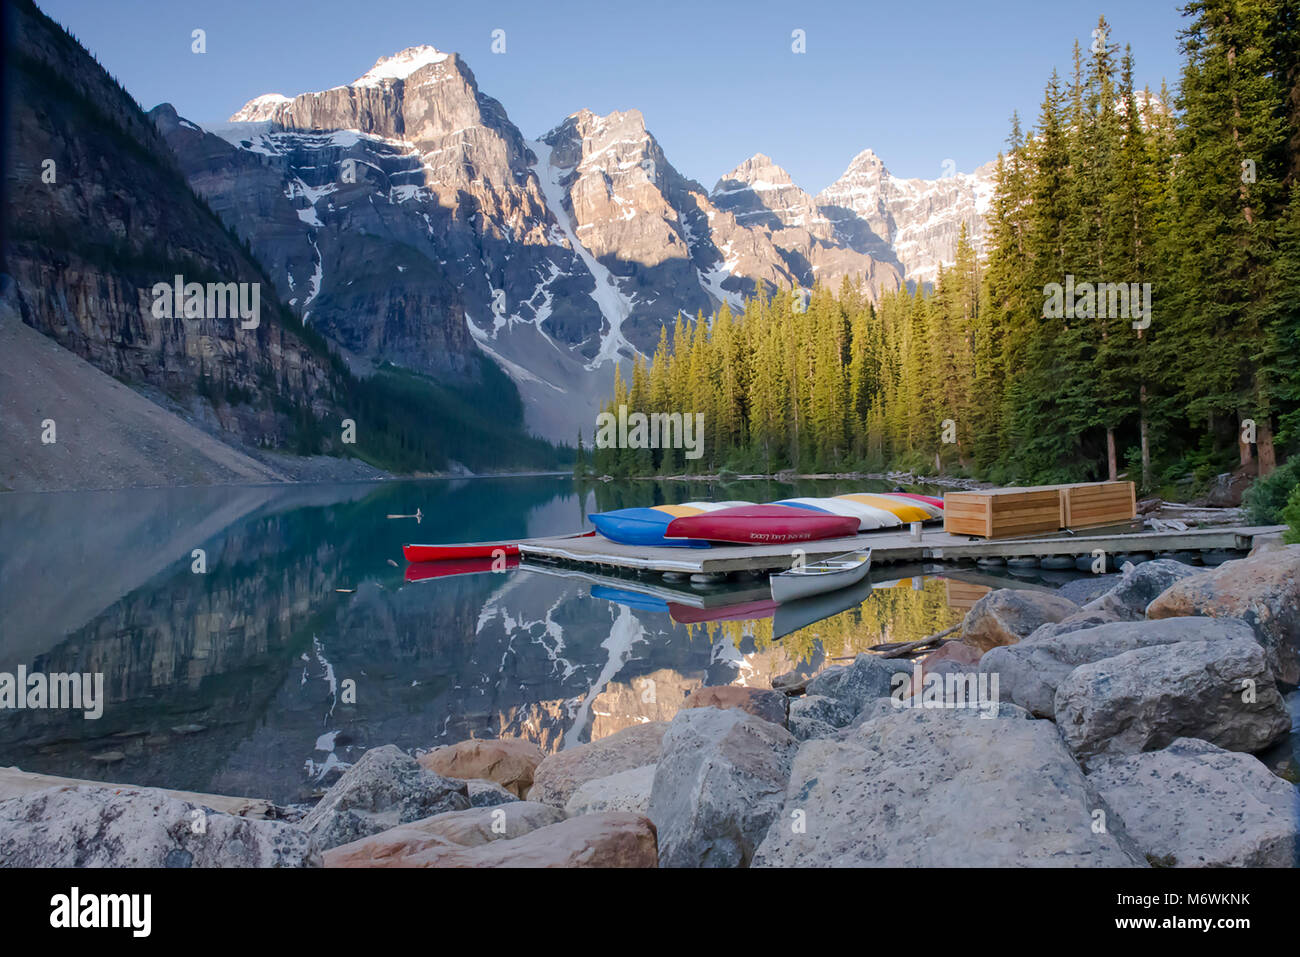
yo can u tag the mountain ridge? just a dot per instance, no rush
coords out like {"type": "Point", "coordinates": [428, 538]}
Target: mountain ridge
{"type": "Point", "coordinates": [558, 257]}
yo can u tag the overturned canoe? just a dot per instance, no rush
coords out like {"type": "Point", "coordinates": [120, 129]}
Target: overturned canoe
{"type": "Point", "coordinates": [906, 509]}
{"type": "Point", "coordinates": [641, 526]}
{"type": "Point", "coordinates": [424, 571]}
{"type": "Point", "coordinates": [927, 499]}
{"type": "Point", "coordinates": [762, 525]}
{"type": "Point", "coordinates": [869, 516]}
{"type": "Point", "coordinates": [454, 551]}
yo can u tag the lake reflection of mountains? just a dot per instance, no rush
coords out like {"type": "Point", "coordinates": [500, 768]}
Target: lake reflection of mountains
{"type": "Point", "coordinates": [240, 680]}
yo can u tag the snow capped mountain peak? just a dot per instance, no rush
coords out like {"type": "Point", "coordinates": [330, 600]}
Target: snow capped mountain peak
{"type": "Point", "coordinates": [400, 65]}
{"type": "Point", "coordinates": [259, 108]}
{"type": "Point", "coordinates": [756, 172]}
{"type": "Point", "coordinates": [866, 161]}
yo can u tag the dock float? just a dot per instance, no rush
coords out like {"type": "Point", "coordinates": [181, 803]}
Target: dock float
{"type": "Point", "coordinates": [888, 547]}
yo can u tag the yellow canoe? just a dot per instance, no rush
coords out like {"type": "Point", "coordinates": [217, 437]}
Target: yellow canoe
{"type": "Point", "coordinates": [905, 512]}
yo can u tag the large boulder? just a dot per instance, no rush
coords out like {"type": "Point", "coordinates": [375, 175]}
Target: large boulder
{"type": "Point", "coordinates": [1008, 615]}
{"type": "Point", "coordinates": [560, 774]}
{"type": "Point", "coordinates": [916, 787]}
{"type": "Point", "coordinates": [1137, 587]}
{"type": "Point", "coordinates": [868, 678]}
{"type": "Point", "coordinates": [509, 762]}
{"type": "Point", "coordinates": [1141, 700]}
{"type": "Point", "coordinates": [718, 786]}
{"type": "Point", "coordinates": [382, 790]}
{"type": "Point", "coordinates": [1193, 804]}
{"type": "Point", "coordinates": [1263, 590]}
{"type": "Point", "coordinates": [609, 839]}
{"type": "Point", "coordinates": [624, 791]}
{"type": "Point", "coordinates": [140, 827]}
{"type": "Point", "coordinates": [826, 680]}
{"type": "Point", "coordinates": [1029, 672]}
{"type": "Point", "coordinates": [760, 702]}
{"type": "Point", "coordinates": [471, 828]}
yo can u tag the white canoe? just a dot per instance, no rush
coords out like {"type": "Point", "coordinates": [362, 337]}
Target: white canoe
{"type": "Point", "coordinates": [828, 575]}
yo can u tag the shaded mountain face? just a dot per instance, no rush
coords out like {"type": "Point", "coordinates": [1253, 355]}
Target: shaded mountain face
{"type": "Point", "coordinates": [407, 218]}
{"type": "Point", "coordinates": [97, 213]}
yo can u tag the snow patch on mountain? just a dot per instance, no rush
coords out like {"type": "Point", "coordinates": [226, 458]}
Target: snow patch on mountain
{"type": "Point", "coordinates": [400, 65]}
{"type": "Point", "coordinates": [613, 304]}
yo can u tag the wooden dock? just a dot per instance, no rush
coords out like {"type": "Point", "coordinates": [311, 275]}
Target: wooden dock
{"type": "Point", "coordinates": [888, 547]}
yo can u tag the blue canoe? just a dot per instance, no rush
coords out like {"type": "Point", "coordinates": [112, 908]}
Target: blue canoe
{"type": "Point", "coordinates": [640, 526]}
{"type": "Point", "coordinates": [633, 599]}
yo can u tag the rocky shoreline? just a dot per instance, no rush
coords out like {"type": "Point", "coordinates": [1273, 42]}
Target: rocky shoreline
{"type": "Point", "coordinates": [1130, 720]}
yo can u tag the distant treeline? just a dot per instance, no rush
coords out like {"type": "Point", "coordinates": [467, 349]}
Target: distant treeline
{"type": "Point", "coordinates": [1019, 365]}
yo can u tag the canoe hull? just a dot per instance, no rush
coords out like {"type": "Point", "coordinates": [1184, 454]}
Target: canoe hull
{"type": "Point", "coordinates": [762, 525]}
{"type": "Point", "coordinates": [443, 553]}
{"type": "Point", "coordinates": [640, 526]}
{"type": "Point", "coordinates": [804, 583]}
{"type": "Point", "coordinates": [456, 551]}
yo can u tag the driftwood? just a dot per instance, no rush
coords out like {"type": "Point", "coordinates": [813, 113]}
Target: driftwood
{"type": "Point", "coordinates": [899, 650]}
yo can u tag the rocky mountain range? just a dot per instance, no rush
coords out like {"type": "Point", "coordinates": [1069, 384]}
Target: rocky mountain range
{"type": "Point", "coordinates": [96, 213]}
{"type": "Point", "coordinates": [405, 217]}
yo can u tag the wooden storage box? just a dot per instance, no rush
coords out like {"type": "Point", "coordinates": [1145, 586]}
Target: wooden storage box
{"type": "Point", "coordinates": [1003, 512]}
{"type": "Point", "coordinates": [1098, 503]}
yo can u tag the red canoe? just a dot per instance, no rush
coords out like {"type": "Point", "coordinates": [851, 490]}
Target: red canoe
{"type": "Point", "coordinates": [423, 571]}
{"type": "Point", "coordinates": [442, 553]}
{"type": "Point", "coordinates": [762, 525]}
{"type": "Point", "coordinates": [748, 611]}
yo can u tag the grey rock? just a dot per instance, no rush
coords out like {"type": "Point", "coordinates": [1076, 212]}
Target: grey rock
{"type": "Point", "coordinates": [827, 680]}
{"type": "Point", "coordinates": [1138, 586]}
{"type": "Point", "coordinates": [805, 729]}
{"type": "Point", "coordinates": [1083, 590]}
{"type": "Point", "coordinates": [624, 791]}
{"type": "Point", "coordinates": [940, 788]}
{"type": "Point", "coordinates": [718, 786]}
{"type": "Point", "coordinates": [485, 793]}
{"type": "Point", "coordinates": [1143, 699]}
{"type": "Point", "coordinates": [1193, 804]}
{"type": "Point", "coordinates": [140, 827]}
{"type": "Point", "coordinates": [1029, 672]}
{"type": "Point", "coordinates": [868, 678]}
{"type": "Point", "coordinates": [821, 708]}
{"type": "Point", "coordinates": [385, 788]}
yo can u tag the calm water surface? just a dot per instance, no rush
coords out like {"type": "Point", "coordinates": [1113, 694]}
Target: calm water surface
{"type": "Point", "coordinates": [232, 680]}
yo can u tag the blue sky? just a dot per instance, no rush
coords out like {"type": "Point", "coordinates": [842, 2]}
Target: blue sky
{"type": "Point", "coordinates": [918, 82]}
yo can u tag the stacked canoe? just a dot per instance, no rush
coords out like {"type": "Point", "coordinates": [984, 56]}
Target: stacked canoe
{"type": "Point", "coordinates": [697, 524]}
